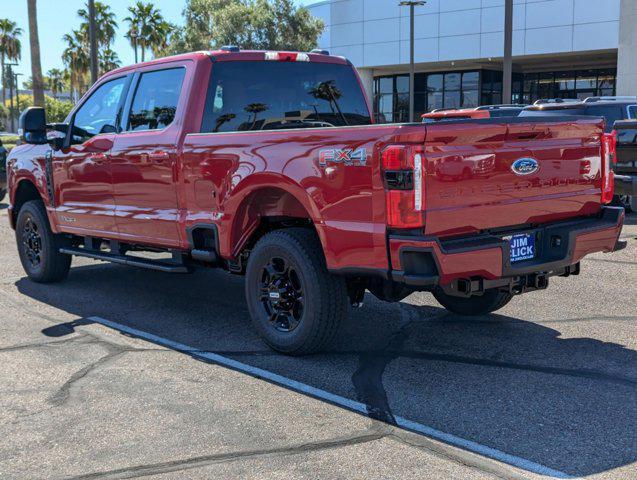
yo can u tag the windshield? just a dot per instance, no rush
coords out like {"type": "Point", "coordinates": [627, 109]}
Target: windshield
{"type": "Point", "coordinates": [266, 95]}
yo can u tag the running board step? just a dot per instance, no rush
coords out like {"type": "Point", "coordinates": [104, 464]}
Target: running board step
{"type": "Point", "coordinates": [159, 265]}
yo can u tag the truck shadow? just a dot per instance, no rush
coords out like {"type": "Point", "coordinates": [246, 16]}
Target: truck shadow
{"type": "Point", "coordinates": [514, 385]}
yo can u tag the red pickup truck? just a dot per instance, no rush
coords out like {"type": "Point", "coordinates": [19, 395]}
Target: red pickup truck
{"type": "Point", "coordinates": [268, 164]}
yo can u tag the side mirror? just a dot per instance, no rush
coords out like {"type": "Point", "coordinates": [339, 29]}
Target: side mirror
{"type": "Point", "coordinates": [32, 126]}
{"type": "Point", "coordinates": [57, 135]}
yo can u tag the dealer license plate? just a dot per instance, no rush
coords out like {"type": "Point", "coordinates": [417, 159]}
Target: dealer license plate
{"type": "Point", "coordinates": [522, 247]}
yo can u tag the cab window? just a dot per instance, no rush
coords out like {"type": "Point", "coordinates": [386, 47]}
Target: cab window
{"type": "Point", "coordinates": [99, 113]}
{"type": "Point", "coordinates": [156, 98]}
{"type": "Point", "coordinates": [260, 95]}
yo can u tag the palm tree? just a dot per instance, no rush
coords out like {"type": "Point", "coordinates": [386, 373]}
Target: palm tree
{"type": "Point", "coordinates": [76, 58]}
{"type": "Point", "coordinates": [108, 60]}
{"type": "Point", "coordinates": [36, 65]}
{"type": "Point", "coordinates": [10, 47]}
{"type": "Point", "coordinates": [162, 37]}
{"type": "Point", "coordinates": [56, 81]}
{"type": "Point", "coordinates": [146, 28]}
{"type": "Point", "coordinates": [104, 21]}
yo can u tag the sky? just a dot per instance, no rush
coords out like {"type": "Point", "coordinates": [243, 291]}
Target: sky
{"type": "Point", "coordinates": [57, 17]}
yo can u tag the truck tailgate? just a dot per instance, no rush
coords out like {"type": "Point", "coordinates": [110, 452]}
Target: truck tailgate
{"type": "Point", "coordinates": [486, 175]}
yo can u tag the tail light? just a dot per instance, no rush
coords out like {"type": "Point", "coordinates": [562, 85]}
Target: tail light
{"type": "Point", "coordinates": [609, 152]}
{"type": "Point", "coordinates": [403, 172]}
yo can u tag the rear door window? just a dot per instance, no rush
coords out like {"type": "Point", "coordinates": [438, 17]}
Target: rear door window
{"type": "Point", "coordinates": [156, 97]}
{"type": "Point", "coordinates": [264, 95]}
{"type": "Point", "coordinates": [632, 112]}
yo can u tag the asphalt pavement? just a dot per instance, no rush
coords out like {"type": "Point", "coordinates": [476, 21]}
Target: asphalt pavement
{"type": "Point", "coordinates": [126, 373]}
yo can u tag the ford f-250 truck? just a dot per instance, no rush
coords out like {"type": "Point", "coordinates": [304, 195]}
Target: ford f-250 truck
{"type": "Point", "coordinates": [268, 164]}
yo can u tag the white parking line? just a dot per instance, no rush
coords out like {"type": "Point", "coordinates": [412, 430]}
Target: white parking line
{"type": "Point", "coordinates": [353, 405]}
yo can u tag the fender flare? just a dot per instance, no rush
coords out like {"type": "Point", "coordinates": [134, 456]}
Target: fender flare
{"type": "Point", "coordinates": [239, 201]}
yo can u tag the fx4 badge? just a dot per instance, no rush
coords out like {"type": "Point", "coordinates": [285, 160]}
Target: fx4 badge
{"type": "Point", "coordinates": [346, 156]}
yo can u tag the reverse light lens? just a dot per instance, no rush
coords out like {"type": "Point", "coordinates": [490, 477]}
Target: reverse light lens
{"type": "Point", "coordinates": [403, 173]}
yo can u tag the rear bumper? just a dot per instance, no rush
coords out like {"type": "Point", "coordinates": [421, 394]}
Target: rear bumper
{"type": "Point", "coordinates": [426, 262]}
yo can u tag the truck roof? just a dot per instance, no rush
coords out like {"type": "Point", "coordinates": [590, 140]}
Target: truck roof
{"type": "Point", "coordinates": [226, 54]}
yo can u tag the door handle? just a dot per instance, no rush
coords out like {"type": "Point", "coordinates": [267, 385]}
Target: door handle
{"type": "Point", "coordinates": [98, 158]}
{"type": "Point", "coordinates": [159, 157]}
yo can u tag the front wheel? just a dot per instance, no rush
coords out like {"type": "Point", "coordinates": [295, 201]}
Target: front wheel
{"type": "Point", "coordinates": [488, 302]}
{"type": "Point", "coordinates": [38, 246]}
{"type": "Point", "coordinates": [295, 304]}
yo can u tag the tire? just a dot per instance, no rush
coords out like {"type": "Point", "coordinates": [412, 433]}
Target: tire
{"type": "Point", "coordinates": [38, 246]}
{"type": "Point", "coordinates": [296, 306]}
{"type": "Point", "coordinates": [3, 193]}
{"type": "Point", "coordinates": [490, 301]}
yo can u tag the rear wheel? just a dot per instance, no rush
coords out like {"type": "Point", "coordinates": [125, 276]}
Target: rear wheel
{"type": "Point", "coordinates": [38, 246]}
{"type": "Point", "coordinates": [488, 302]}
{"type": "Point", "coordinates": [295, 304]}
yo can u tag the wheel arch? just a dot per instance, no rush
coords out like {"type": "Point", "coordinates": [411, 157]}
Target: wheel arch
{"type": "Point", "coordinates": [25, 190]}
{"type": "Point", "coordinates": [263, 206]}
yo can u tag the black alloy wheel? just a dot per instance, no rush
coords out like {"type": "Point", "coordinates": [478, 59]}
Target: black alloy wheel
{"type": "Point", "coordinates": [295, 304]}
{"type": "Point", "coordinates": [32, 242]}
{"type": "Point", "coordinates": [282, 295]}
{"type": "Point", "coordinates": [38, 246]}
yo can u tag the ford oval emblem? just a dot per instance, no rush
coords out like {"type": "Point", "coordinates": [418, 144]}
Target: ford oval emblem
{"type": "Point", "coordinates": [525, 166]}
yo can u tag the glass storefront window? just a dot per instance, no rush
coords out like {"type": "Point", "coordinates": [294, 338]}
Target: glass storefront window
{"type": "Point", "coordinates": [386, 105]}
{"type": "Point", "coordinates": [434, 101]}
{"type": "Point", "coordinates": [586, 79]}
{"type": "Point", "coordinates": [606, 80]}
{"type": "Point", "coordinates": [473, 88]}
{"type": "Point", "coordinates": [565, 81]}
{"type": "Point", "coordinates": [470, 80]}
{"type": "Point", "coordinates": [452, 81]}
{"type": "Point", "coordinates": [469, 98]}
{"type": "Point", "coordinates": [434, 83]}
{"type": "Point", "coordinates": [452, 99]}
{"type": "Point", "coordinates": [386, 85]}
{"type": "Point", "coordinates": [402, 84]}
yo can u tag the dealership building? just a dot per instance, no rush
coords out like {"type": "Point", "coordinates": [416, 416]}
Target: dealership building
{"type": "Point", "coordinates": [561, 49]}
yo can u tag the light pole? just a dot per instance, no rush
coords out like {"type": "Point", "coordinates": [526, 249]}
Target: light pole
{"type": "Point", "coordinates": [411, 4]}
{"type": "Point", "coordinates": [92, 33]}
{"type": "Point", "coordinates": [17, 91]}
{"type": "Point", "coordinates": [133, 37]}
{"type": "Point", "coordinates": [507, 67]}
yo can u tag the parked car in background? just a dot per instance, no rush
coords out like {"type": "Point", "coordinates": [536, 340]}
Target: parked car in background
{"type": "Point", "coordinates": [612, 109]}
{"type": "Point", "coordinates": [3, 171]}
{"type": "Point", "coordinates": [626, 163]}
{"type": "Point", "coordinates": [485, 111]}
{"type": "Point", "coordinates": [542, 101]}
